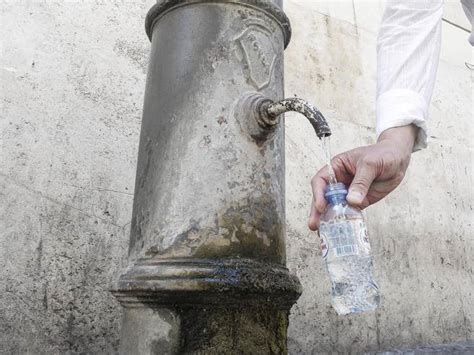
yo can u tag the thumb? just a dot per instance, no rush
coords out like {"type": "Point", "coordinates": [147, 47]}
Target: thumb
{"type": "Point", "coordinates": [364, 176]}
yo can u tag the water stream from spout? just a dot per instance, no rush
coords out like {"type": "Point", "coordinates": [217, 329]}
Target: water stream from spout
{"type": "Point", "coordinates": [326, 143]}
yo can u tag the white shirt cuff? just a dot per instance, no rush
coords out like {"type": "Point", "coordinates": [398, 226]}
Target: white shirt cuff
{"type": "Point", "coordinates": [401, 107]}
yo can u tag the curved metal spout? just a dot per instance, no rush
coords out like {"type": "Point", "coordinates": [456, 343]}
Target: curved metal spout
{"type": "Point", "coordinates": [271, 111]}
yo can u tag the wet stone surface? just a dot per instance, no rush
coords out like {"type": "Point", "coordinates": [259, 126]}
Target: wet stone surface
{"type": "Point", "coordinates": [452, 348]}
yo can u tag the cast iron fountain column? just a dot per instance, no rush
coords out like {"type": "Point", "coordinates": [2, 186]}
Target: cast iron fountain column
{"type": "Point", "coordinates": [207, 246]}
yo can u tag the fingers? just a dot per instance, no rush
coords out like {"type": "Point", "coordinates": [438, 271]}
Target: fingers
{"type": "Point", "coordinates": [352, 168]}
{"type": "Point", "coordinates": [318, 204]}
{"type": "Point", "coordinates": [318, 184]}
{"type": "Point", "coordinates": [365, 174]}
{"type": "Point", "coordinates": [314, 215]}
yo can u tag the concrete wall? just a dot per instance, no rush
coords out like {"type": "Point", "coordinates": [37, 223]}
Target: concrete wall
{"type": "Point", "coordinates": [72, 77]}
{"type": "Point", "coordinates": [421, 235]}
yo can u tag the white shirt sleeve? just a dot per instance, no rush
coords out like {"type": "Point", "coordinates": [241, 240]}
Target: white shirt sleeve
{"type": "Point", "coordinates": [407, 59]}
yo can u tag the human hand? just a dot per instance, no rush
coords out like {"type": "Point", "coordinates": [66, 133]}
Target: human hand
{"type": "Point", "coordinates": [372, 171]}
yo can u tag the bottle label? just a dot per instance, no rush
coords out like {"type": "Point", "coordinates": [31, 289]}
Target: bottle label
{"type": "Point", "coordinates": [324, 244]}
{"type": "Point", "coordinates": [363, 236]}
{"type": "Point", "coordinates": [343, 238]}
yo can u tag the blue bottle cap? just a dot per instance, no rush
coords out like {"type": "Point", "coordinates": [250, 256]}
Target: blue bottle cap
{"type": "Point", "coordinates": [335, 192]}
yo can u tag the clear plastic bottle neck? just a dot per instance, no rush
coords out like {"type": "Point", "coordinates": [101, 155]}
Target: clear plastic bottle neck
{"type": "Point", "coordinates": [336, 193]}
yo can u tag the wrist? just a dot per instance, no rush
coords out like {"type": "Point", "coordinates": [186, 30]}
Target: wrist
{"type": "Point", "coordinates": [403, 136]}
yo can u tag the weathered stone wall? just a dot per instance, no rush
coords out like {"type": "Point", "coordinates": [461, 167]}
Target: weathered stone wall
{"type": "Point", "coordinates": [72, 81]}
{"type": "Point", "coordinates": [421, 235]}
{"type": "Point", "coordinates": [72, 77]}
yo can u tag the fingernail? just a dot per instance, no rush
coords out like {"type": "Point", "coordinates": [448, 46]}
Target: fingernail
{"type": "Point", "coordinates": [354, 197]}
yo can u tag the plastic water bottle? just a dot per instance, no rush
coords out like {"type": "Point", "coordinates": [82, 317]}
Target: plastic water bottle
{"type": "Point", "coordinates": [346, 252]}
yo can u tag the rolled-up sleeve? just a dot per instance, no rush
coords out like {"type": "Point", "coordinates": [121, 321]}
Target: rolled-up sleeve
{"type": "Point", "coordinates": [407, 60]}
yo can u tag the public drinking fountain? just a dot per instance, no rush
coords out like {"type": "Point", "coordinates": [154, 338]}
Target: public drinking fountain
{"type": "Point", "coordinates": [207, 257]}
